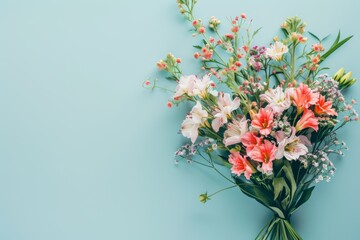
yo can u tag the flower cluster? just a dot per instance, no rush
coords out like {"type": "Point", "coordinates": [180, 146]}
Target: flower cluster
{"type": "Point", "coordinates": [274, 120]}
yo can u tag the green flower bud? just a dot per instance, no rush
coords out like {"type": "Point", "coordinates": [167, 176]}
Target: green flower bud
{"type": "Point", "coordinates": [345, 78]}
{"type": "Point", "coordinates": [203, 197]}
{"type": "Point", "coordinates": [339, 74]}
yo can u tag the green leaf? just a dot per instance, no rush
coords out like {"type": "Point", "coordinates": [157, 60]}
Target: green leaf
{"type": "Point", "coordinates": [325, 38]}
{"type": "Point", "coordinates": [279, 184]}
{"type": "Point", "coordinates": [285, 32]}
{"type": "Point", "coordinates": [289, 175]}
{"type": "Point", "coordinates": [305, 196]}
{"type": "Point", "coordinates": [334, 47]}
{"type": "Point", "coordinates": [256, 32]}
{"type": "Point", "coordinates": [314, 36]}
{"type": "Point", "coordinates": [261, 195]}
{"type": "Point", "coordinates": [171, 78]}
{"type": "Point", "coordinates": [197, 46]}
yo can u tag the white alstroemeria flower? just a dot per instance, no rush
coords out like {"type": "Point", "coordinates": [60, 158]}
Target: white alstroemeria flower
{"type": "Point", "coordinates": [224, 109]}
{"type": "Point", "coordinates": [278, 99]}
{"type": "Point", "coordinates": [202, 86]}
{"type": "Point", "coordinates": [276, 51]}
{"type": "Point", "coordinates": [186, 86]}
{"type": "Point", "coordinates": [198, 114]}
{"type": "Point", "coordinates": [196, 118]}
{"type": "Point", "coordinates": [290, 147]}
{"type": "Point", "coordinates": [190, 129]}
{"type": "Point", "coordinates": [235, 131]}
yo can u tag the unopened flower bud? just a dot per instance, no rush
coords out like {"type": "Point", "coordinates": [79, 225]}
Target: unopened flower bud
{"type": "Point", "coordinates": [204, 198]}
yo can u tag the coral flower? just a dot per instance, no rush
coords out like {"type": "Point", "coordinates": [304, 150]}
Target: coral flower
{"type": "Point", "coordinates": [250, 140]}
{"type": "Point", "coordinates": [240, 165]}
{"type": "Point", "coordinates": [264, 153]}
{"type": "Point", "coordinates": [307, 120]}
{"type": "Point", "coordinates": [264, 121]}
{"type": "Point", "coordinates": [303, 97]}
{"type": "Point", "coordinates": [324, 107]}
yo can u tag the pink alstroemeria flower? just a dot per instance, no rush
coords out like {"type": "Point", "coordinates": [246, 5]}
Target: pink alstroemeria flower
{"type": "Point", "coordinates": [263, 121]}
{"type": "Point", "coordinates": [278, 99]}
{"type": "Point", "coordinates": [264, 153]}
{"type": "Point", "coordinates": [223, 110]}
{"type": "Point", "coordinates": [196, 118]}
{"type": "Point", "coordinates": [303, 97]}
{"type": "Point", "coordinates": [290, 147]}
{"type": "Point", "coordinates": [307, 120]}
{"type": "Point", "coordinates": [235, 131]}
{"type": "Point", "coordinates": [240, 165]}
{"type": "Point", "coordinates": [186, 85]}
{"type": "Point", "coordinates": [250, 140]}
{"type": "Point", "coordinates": [324, 107]}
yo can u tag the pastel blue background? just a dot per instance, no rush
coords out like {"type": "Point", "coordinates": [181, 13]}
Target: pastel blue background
{"type": "Point", "coordinates": [87, 153]}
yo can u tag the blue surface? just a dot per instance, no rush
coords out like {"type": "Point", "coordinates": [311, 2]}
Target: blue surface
{"type": "Point", "coordinates": [87, 153]}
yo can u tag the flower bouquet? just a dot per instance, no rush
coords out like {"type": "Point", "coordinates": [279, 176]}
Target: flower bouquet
{"type": "Point", "coordinates": [268, 113]}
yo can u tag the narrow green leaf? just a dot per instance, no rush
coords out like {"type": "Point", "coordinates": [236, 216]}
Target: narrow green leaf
{"type": "Point", "coordinates": [256, 32]}
{"type": "Point", "coordinates": [305, 196]}
{"type": "Point", "coordinates": [325, 38]}
{"type": "Point", "coordinates": [279, 184]}
{"type": "Point", "coordinates": [334, 48]}
{"type": "Point", "coordinates": [314, 36]}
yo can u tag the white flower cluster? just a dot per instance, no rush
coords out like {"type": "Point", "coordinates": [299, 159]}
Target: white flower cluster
{"type": "Point", "coordinates": [322, 166]}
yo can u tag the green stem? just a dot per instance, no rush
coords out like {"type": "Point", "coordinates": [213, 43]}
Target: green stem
{"type": "Point", "coordinates": [227, 188]}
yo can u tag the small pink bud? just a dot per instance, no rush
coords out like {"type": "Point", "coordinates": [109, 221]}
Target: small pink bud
{"type": "Point", "coordinates": [178, 60]}
{"type": "Point", "coordinates": [202, 68]}
{"type": "Point", "coordinates": [235, 29]}
{"type": "Point", "coordinates": [147, 82]}
{"type": "Point", "coordinates": [169, 104]}
{"type": "Point", "coordinates": [243, 16]}
{"type": "Point", "coordinates": [229, 36]}
{"type": "Point", "coordinates": [238, 64]}
{"type": "Point", "coordinates": [211, 40]}
{"type": "Point", "coordinates": [201, 30]}
{"type": "Point", "coordinates": [353, 101]}
{"type": "Point", "coordinates": [196, 55]}
{"type": "Point", "coordinates": [356, 118]}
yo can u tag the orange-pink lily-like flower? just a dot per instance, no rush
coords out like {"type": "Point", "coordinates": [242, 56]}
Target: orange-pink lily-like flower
{"type": "Point", "coordinates": [303, 97]}
{"type": "Point", "coordinates": [324, 107]}
{"type": "Point", "coordinates": [264, 121]}
{"type": "Point", "coordinates": [240, 165]}
{"type": "Point", "coordinates": [264, 153]}
{"type": "Point", "coordinates": [307, 120]}
{"type": "Point", "coordinates": [250, 140]}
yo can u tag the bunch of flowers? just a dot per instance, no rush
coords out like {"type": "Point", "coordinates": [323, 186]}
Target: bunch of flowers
{"type": "Point", "coordinates": [275, 120]}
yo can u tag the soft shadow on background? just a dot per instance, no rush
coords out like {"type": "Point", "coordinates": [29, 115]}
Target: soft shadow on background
{"type": "Point", "coordinates": [87, 153]}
